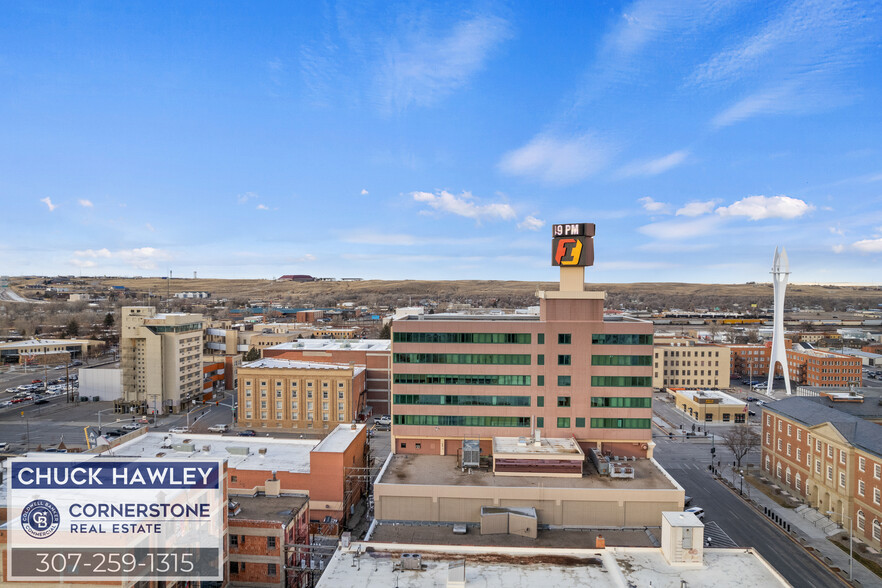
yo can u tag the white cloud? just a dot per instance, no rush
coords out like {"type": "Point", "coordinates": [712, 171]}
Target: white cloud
{"type": "Point", "coordinates": [419, 68]}
{"type": "Point", "coordinates": [244, 198]}
{"type": "Point", "coordinates": [838, 248]}
{"type": "Point", "coordinates": [773, 100]}
{"type": "Point", "coordinates": [682, 229]}
{"type": "Point", "coordinates": [837, 231]}
{"type": "Point", "coordinates": [556, 160]}
{"type": "Point", "coordinates": [762, 207]}
{"type": "Point", "coordinates": [654, 167]}
{"type": "Point", "coordinates": [364, 192]}
{"type": "Point", "coordinates": [464, 205]}
{"type": "Point", "coordinates": [150, 227]}
{"type": "Point", "coordinates": [139, 258]}
{"type": "Point", "coordinates": [85, 203]}
{"type": "Point", "coordinates": [531, 223]}
{"type": "Point", "coordinates": [262, 207]}
{"type": "Point", "coordinates": [868, 245]}
{"type": "Point", "coordinates": [653, 206]}
{"type": "Point", "coordinates": [48, 202]}
{"type": "Point", "coordinates": [697, 208]}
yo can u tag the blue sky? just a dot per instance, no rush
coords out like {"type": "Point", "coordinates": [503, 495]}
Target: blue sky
{"type": "Point", "coordinates": [400, 140]}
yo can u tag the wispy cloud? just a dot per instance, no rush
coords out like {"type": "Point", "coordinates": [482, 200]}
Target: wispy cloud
{"type": "Point", "coordinates": [798, 61]}
{"type": "Point", "coordinates": [262, 207]}
{"type": "Point", "coordinates": [697, 208]}
{"type": "Point", "coordinates": [149, 227]}
{"type": "Point", "coordinates": [138, 258]}
{"type": "Point", "coordinates": [557, 160]}
{"type": "Point", "coordinates": [653, 206]}
{"type": "Point", "coordinates": [420, 68]}
{"type": "Point", "coordinates": [682, 229]}
{"type": "Point", "coordinates": [364, 192]}
{"type": "Point", "coordinates": [465, 205]}
{"type": "Point", "coordinates": [85, 203]}
{"type": "Point", "coordinates": [653, 167]}
{"type": "Point", "coordinates": [244, 198]}
{"type": "Point", "coordinates": [48, 202]}
{"type": "Point", "coordinates": [762, 207]}
{"type": "Point", "coordinates": [531, 223]}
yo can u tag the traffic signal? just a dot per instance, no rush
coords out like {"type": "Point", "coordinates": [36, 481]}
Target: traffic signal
{"type": "Point", "coordinates": [713, 450]}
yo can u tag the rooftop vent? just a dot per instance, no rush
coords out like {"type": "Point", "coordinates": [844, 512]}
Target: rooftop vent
{"type": "Point", "coordinates": [262, 451]}
{"type": "Point", "coordinates": [471, 453]}
{"type": "Point", "coordinates": [411, 561]}
{"type": "Point", "coordinates": [238, 450]}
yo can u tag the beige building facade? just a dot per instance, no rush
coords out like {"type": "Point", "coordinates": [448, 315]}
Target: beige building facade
{"type": "Point", "coordinates": [161, 360]}
{"type": "Point", "coordinates": [299, 395]}
{"type": "Point", "coordinates": [687, 362]}
{"type": "Point", "coordinates": [710, 406]}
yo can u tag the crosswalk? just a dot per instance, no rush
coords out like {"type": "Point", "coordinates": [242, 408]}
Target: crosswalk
{"type": "Point", "coordinates": [717, 536]}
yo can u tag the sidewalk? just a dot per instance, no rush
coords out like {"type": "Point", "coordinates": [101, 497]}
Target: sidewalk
{"type": "Point", "coordinates": [811, 530]}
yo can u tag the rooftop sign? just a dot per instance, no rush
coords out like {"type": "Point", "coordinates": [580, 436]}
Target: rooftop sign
{"type": "Point", "coordinates": [572, 245]}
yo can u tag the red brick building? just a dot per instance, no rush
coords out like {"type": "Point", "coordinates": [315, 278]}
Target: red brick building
{"type": "Point", "coordinates": [374, 354]}
{"type": "Point", "coordinates": [260, 528]}
{"type": "Point", "coordinates": [807, 367]}
{"type": "Point", "coordinates": [831, 459]}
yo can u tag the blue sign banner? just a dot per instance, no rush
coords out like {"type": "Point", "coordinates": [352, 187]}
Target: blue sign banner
{"type": "Point", "coordinates": [109, 474]}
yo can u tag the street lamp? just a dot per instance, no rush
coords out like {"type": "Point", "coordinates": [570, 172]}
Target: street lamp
{"type": "Point", "coordinates": [850, 542]}
{"type": "Point", "coordinates": [99, 418]}
{"type": "Point", "coordinates": [741, 475]}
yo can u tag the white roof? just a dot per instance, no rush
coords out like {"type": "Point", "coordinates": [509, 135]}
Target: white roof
{"type": "Point", "coordinates": [722, 396]}
{"type": "Point", "coordinates": [284, 455]}
{"type": "Point", "coordinates": [547, 446]}
{"type": "Point", "coordinates": [336, 345]}
{"type": "Point", "coordinates": [290, 364]}
{"type": "Point", "coordinates": [682, 519]}
{"type": "Point", "coordinates": [376, 564]}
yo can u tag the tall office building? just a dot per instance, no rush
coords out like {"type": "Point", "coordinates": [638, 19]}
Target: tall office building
{"type": "Point", "coordinates": [569, 372]}
{"type": "Point", "coordinates": [161, 360]}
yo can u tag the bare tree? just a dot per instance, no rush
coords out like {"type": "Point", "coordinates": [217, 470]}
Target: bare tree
{"type": "Point", "coordinates": [741, 440]}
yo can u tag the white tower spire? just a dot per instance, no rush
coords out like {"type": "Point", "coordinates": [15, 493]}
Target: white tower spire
{"type": "Point", "coordinates": [780, 273]}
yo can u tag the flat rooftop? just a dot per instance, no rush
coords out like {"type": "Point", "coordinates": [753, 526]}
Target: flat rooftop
{"type": "Point", "coordinates": [440, 534]}
{"type": "Point", "coordinates": [242, 453]}
{"type": "Point", "coordinates": [292, 364]}
{"type": "Point", "coordinates": [267, 508]}
{"type": "Point", "coordinates": [443, 470]}
{"type": "Point", "coordinates": [375, 564]}
{"type": "Point", "coordinates": [548, 446]}
{"type": "Point", "coordinates": [695, 395]}
{"type": "Point", "coordinates": [336, 345]}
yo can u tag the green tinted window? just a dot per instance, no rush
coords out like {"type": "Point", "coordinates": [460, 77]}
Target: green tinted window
{"type": "Point", "coordinates": [540, 422]}
{"type": "Point", "coordinates": [608, 402]}
{"type": "Point", "coordinates": [620, 423]}
{"type": "Point", "coordinates": [564, 360]}
{"type": "Point", "coordinates": [460, 421]}
{"type": "Point", "coordinates": [626, 381]}
{"type": "Point", "coordinates": [462, 379]}
{"type": "Point", "coordinates": [620, 339]}
{"type": "Point", "coordinates": [540, 359]}
{"type": "Point", "coordinates": [563, 422]}
{"type": "Point", "coordinates": [540, 401]}
{"type": "Point", "coordinates": [564, 338]}
{"type": "Point", "coordinates": [563, 380]}
{"type": "Point", "coordinates": [461, 338]}
{"type": "Point", "coordinates": [621, 360]}
{"type": "Point", "coordinates": [540, 380]}
{"type": "Point", "coordinates": [580, 422]}
{"type": "Point", "coordinates": [541, 338]}
{"type": "Point", "coordinates": [563, 400]}
{"type": "Point", "coordinates": [462, 358]}
{"type": "Point", "coordinates": [461, 400]}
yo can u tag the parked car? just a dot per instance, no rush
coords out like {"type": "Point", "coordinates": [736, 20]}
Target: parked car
{"type": "Point", "coordinates": [760, 402]}
{"type": "Point", "coordinates": [179, 430]}
{"type": "Point", "coordinates": [41, 401]}
{"type": "Point", "coordinates": [751, 399]}
{"type": "Point", "coordinates": [221, 428]}
{"type": "Point", "coordinates": [131, 426]}
{"type": "Point", "coordinates": [36, 381]}
{"type": "Point", "coordinates": [697, 511]}
{"type": "Point", "coordinates": [247, 433]}
{"type": "Point", "coordinates": [687, 500]}
{"type": "Point", "coordinates": [751, 412]}
{"type": "Point", "coordinates": [384, 420]}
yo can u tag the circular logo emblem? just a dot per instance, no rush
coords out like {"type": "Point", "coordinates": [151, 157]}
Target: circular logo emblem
{"type": "Point", "coordinates": [40, 519]}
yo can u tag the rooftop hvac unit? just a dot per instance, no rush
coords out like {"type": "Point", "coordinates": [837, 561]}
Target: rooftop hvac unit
{"type": "Point", "coordinates": [471, 453]}
{"type": "Point", "coordinates": [411, 561]}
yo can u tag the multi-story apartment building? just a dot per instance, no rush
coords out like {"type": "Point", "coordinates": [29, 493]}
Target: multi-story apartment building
{"type": "Point", "coordinates": [299, 395]}
{"type": "Point", "coordinates": [569, 372]}
{"type": "Point", "coordinates": [685, 362]}
{"type": "Point", "coordinates": [828, 457]}
{"type": "Point", "coordinates": [374, 354]}
{"type": "Point", "coordinates": [161, 360]}
{"type": "Point", "coordinates": [807, 367]}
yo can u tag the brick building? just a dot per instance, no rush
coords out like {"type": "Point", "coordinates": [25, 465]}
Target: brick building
{"type": "Point", "coordinates": [374, 354]}
{"type": "Point", "coordinates": [259, 529]}
{"type": "Point", "coordinates": [807, 366]}
{"type": "Point", "coordinates": [830, 458]}
{"type": "Point", "coordinates": [299, 395]}
{"type": "Point", "coordinates": [569, 372]}
{"type": "Point", "coordinates": [687, 362]}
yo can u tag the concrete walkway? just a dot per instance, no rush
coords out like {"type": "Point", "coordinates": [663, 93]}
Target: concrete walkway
{"type": "Point", "coordinates": [810, 528]}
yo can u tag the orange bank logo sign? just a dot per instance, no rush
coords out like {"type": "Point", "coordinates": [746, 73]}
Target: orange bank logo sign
{"type": "Point", "coordinates": [568, 252]}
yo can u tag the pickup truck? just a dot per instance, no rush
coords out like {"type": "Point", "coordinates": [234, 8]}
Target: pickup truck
{"type": "Point", "coordinates": [218, 428]}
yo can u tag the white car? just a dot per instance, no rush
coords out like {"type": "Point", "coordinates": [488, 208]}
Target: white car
{"type": "Point", "coordinates": [179, 430]}
{"type": "Point", "coordinates": [697, 511]}
{"type": "Point", "coordinates": [131, 426]}
{"type": "Point", "coordinates": [218, 428]}
{"type": "Point", "coordinates": [384, 420]}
